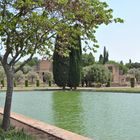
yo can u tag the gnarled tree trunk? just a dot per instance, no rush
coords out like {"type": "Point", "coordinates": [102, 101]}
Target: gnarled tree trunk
{"type": "Point", "coordinates": [7, 108]}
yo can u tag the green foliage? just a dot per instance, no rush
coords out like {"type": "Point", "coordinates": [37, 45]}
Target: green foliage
{"type": "Point", "coordinates": [103, 59]}
{"type": "Point", "coordinates": [37, 83]}
{"type": "Point", "coordinates": [12, 134]}
{"type": "Point", "coordinates": [108, 83]}
{"type": "Point", "coordinates": [19, 77]}
{"type": "Point", "coordinates": [87, 59]}
{"type": "Point", "coordinates": [135, 73]}
{"type": "Point", "coordinates": [30, 26]}
{"type": "Point", "coordinates": [96, 74]}
{"type": "Point", "coordinates": [33, 62]}
{"type": "Point", "coordinates": [26, 69]}
{"type": "Point", "coordinates": [15, 84]}
{"type": "Point", "coordinates": [123, 68]}
{"type": "Point", "coordinates": [132, 82]}
{"type": "Point", "coordinates": [26, 83]}
{"type": "Point", "coordinates": [60, 64]}
{"type": "Point", "coordinates": [2, 74]}
{"type": "Point", "coordinates": [131, 65]}
{"type": "Point", "coordinates": [2, 83]}
{"type": "Point", "coordinates": [48, 76]}
{"type": "Point", "coordinates": [32, 76]}
{"type": "Point", "coordinates": [50, 83]}
{"type": "Point", "coordinates": [75, 62]}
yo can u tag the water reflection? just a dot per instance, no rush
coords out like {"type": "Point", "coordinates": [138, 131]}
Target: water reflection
{"type": "Point", "coordinates": [67, 111]}
{"type": "Point", "coordinates": [101, 116]}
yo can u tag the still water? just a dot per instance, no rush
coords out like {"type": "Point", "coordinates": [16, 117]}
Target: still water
{"type": "Point", "coordinates": [102, 116]}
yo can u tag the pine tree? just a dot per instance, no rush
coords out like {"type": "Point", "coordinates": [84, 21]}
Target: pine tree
{"type": "Point", "coordinates": [60, 64]}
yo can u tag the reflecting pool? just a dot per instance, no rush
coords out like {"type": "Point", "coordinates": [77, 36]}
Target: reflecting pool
{"type": "Point", "coordinates": [102, 116]}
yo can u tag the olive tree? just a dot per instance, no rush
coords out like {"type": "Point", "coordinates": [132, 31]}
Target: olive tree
{"type": "Point", "coordinates": [2, 74]}
{"type": "Point", "coordinates": [19, 77]}
{"type": "Point", "coordinates": [32, 76]}
{"type": "Point", "coordinates": [48, 77]}
{"type": "Point", "coordinates": [135, 73]}
{"type": "Point", "coordinates": [27, 27]}
{"type": "Point", "coordinates": [96, 74]}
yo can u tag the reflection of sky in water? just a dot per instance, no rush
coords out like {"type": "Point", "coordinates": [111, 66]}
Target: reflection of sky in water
{"type": "Point", "coordinates": [102, 116]}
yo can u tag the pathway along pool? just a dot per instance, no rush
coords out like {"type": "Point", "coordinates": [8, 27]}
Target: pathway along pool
{"type": "Point", "coordinates": [102, 116]}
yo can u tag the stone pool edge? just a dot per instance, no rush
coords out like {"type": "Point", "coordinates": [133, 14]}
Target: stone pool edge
{"type": "Point", "coordinates": [40, 129]}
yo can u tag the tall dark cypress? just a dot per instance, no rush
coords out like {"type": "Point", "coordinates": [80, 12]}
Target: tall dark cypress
{"type": "Point", "coordinates": [103, 59]}
{"type": "Point", "coordinates": [60, 64]}
{"type": "Point", "coordinates": [104, 55]}
{"type": "Point", "coordinates": [75, 62]}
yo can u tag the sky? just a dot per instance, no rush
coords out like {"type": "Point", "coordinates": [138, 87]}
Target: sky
{"type": "Point", "coordinates": [121, 40]}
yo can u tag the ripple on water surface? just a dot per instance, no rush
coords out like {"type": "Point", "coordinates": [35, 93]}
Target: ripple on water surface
{"type": "Point", "coordinates": [102, 116]}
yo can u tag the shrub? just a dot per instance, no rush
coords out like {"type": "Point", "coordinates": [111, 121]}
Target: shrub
{"type": "Point", "coordinates": [132, 82]}
{"type": "Point", "coordinates": [15, 84]}
{"type": "Point", "coordinates": [50, 83]}
{"type": "Point", "coordinates": [2, 83]}
{"type": "Point", "coordinates": [108, 83]}
{"type": "Point", "coordinates": [26, 83]}
{"type": "Point", "coordinates": [48, 76]}
{"type": "Point", "coordinates": [37, 83]}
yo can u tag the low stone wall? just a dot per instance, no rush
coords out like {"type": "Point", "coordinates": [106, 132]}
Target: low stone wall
{"type": "Point", "coordinates": [41, 130]}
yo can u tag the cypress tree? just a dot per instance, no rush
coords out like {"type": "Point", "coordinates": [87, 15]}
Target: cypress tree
{"type": "Point", "coordinates": [105, 56]}
{"type": "Point", "coordinates": [60, 64]}
{"type": "Point", "coordinates": [75, 62]}
{"type": "Point", "coordinates": [101, 59]}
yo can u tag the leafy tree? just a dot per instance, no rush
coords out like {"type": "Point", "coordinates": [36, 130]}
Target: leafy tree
{"type": "Point", "coordinates": [123, 69]}
{"type": "Point", "coordinates": [48, 76]}
{"type": "Point", "coordinates": [32, 76]}
{"type": "Point", "coordinates": [26, 69]}
{"type": "Point", "coordinates": [28, 27]}
{"type": "Point", "coordinates": [135, 73]}
{"type": "Point", "coordinates": [19, 77]}
{"type": "Point", "coordinates": [133, 65]}
{"type": "Point", "coordinates": [96, 74]}
{"type": "Point", "coordinates": [75, 62]}
{"type": "Point", "coordinates": [33, 61]}
{"type": "Point", "coordinates": [132, 82]}
{"type": "Point", "coordinates": [2, 74]}
{"type": "Point", "coordinates": [87, 59]}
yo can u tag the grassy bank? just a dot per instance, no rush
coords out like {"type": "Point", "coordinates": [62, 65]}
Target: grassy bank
{"type": "Point", "coordinates": [12, 134]}
{"type": "Point", "coordinates": [113, 89]}
{"type": "Point", "coordinates": [102, 89]}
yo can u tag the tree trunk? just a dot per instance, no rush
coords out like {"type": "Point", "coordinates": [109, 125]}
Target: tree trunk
{"type": "Point", "coordinates": [7, 108]}
{"type": "Point", "coordinates": [63, 87]}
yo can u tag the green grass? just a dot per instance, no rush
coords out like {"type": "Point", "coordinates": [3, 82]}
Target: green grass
{"type": "Point", "coordinates": [12, 134]}
{"type": "Point", "coordinates": [117, 89]}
